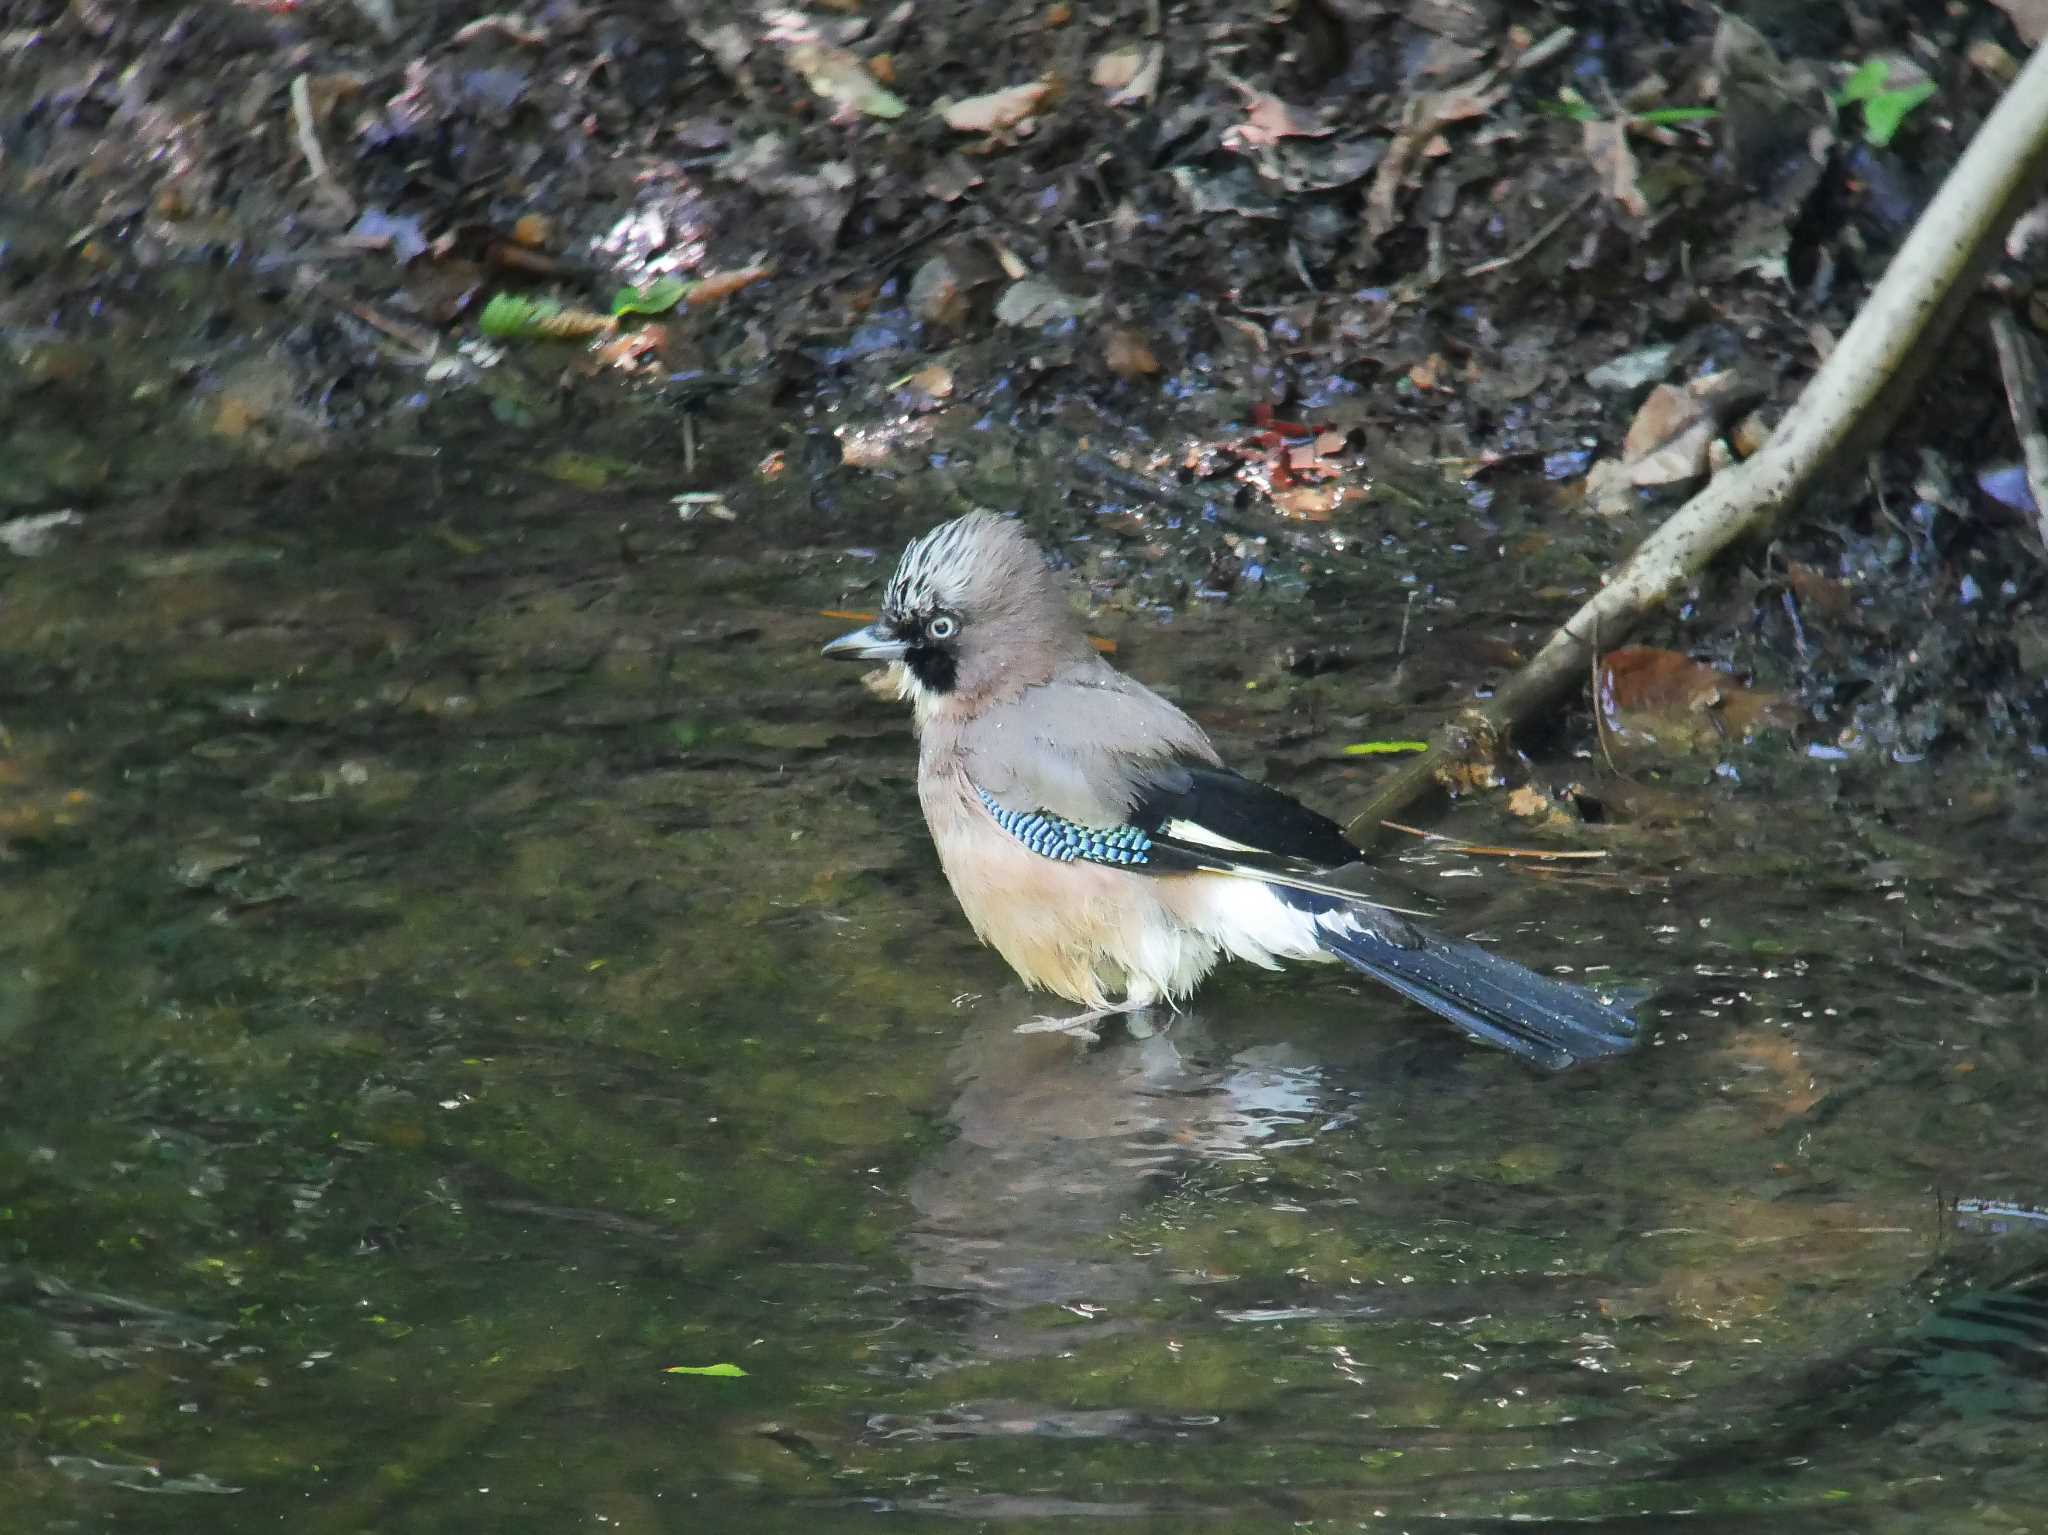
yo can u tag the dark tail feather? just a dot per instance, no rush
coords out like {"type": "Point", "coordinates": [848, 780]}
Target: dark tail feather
{"type": "Point", "coordinates": [1547, 1021]}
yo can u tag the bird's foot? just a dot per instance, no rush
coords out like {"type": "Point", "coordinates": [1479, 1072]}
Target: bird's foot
{"type": "Point", "coordinates": [1081, 1026]}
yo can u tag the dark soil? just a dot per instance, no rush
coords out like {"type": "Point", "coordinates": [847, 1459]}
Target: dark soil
{"type": "Point", "coordinates": [1315, 265]}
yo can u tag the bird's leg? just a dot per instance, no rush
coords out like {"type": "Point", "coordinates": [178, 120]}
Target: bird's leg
{"type": "Point", "coordinates": [1140, 1021]}
{"type": "Point", "coordinates": [1082, 1025]}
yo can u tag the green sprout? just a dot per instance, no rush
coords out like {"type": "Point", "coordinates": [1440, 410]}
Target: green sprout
{"type": "Point", "coordinates": [1884, 109]}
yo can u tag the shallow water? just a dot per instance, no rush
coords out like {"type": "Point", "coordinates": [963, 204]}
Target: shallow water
{"type": "Point", "coordinates": [463, 957]}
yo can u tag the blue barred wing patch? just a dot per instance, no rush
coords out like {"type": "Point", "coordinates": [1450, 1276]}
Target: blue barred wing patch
{"type": "Point", "coordinates": [1052, 836]}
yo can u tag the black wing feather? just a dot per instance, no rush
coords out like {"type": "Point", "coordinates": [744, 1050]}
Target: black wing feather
{"type": "Point", "coordinates": [1237, 809]}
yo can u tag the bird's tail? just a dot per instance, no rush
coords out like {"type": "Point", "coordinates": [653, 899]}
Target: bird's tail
{"type": "Point", "coordinates": [1552, 1023]}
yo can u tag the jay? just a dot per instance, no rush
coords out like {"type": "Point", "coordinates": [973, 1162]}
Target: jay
{"type": "Point", "coordinates": [1093, 836]}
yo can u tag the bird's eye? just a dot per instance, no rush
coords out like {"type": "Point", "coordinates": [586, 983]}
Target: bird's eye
{"type": "Point", "coordinates": [943, 627]}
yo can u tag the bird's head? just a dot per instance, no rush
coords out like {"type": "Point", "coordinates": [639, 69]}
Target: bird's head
{"type": "Point", "coordinates": [971, 612]}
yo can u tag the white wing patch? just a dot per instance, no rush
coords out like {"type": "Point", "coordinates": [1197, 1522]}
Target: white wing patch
{"type": "Point", "coordinates": [1196, 832]}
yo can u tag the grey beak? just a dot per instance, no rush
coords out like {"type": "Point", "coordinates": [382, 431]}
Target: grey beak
{"type": "Point", "coordinates": [870, 644]}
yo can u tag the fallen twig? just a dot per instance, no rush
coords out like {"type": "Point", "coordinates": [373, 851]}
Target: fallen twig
{"type": "Point", "coordinates": [1853, 399]}
{"type": "Point", "coordinates": [1488, 850]}
{"type": "Point", "coordinates": [510, 26]}
{"type": "Point", "coordinates": [423, 342]}
{"type": "Point", "coordinates": [2020, 366]}
{"type": "Point", "coordinates": [1535, 241]}
{"type": "Point", "coordinates": [308, 136]}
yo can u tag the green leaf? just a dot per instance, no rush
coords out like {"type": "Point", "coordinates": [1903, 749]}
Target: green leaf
{"type": "Point", "coordinates": [1575, 108]}
{"type": "Point", "coordinates": [722, 1371]}
{"type": "Point", "coordinates": [656, 298]}
{"type": "Point", "coordinates": [1383, 748]}
{"type": "Point", "coordinates": [1868, 80]}
{"type": "Point", "coordinates": [508, 317]}
{"type": "Point", "coordinates": [1883, 114]}
{"type": "Point", "coordinates": [1663, 117]}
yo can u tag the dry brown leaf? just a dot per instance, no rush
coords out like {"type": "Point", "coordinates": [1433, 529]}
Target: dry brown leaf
{"type": "Point", "coordinates": [1674, 431]}
{"type": "Point", "coordinates": [2029, 19]}
{"type": "Point", "coordinates": [1665, 413]}
{"type": "Point", "coordinates": [573, 324]}
{"type": "Point", "coordinates": [950, 179]}
{"type": "Point", "coordinates": [996, 110]}
{"type": "Point", "coordinates": [1681, 703]}
{"type": "Point", "coordinates": [935, 379]}
{"type": "Point", "coordinates": [1817, 589]}
{"type": "Point", "coordinates": [937, 295]}
{"type": "Point", "coordinates": [1750, 434]}
{"type": "Point", "coordinates": [1531, 804]}
{"type": "Point", "coordinates": [869, 450]}
{"type": "Point", "coordinates": [1268, 120]}
{"type": "Point", "coordinates": [1143, 81]}
{"type": "Point", "coordinates": [1314, 503]}
{"type": "Point", "coordinates": [1117, 68]}
{"type": "Point", "coordinates": [1129, 355]}
{"type": "Point", "coordinates": [1033, 302]}
{"type": "Point", "coordinates": [1013, 265]}
{"type": "Point", "coordinates": [1253, 335]}
{"type": "Point", "coordinates": [1987, 56]}
{"type": "Point", "coordinates": [1685, 457]}
{"type": "Point", "coordinates": [1464, 101]}
{"type": "Point", "coordinates": [843, 79]}
{"type": "Point", "coordinates": [1421, 119]}
{"type": "Point", "coordinates": [1606, 144]}
{"type": "Point", "coordinates": [626, 351]}
{"type": "Point", "coordinates": [713, 286]}
{"type": "Point", "coordinates": [1608, 490]}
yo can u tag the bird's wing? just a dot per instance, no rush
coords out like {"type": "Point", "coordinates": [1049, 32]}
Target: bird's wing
{"type": "Point", "coordinates": [1207, 819]}
{"type": "Point", "coordinates": [1196, 818]}
{"type": "Point", "coordinates": [1202, 805]}
{"type": "Point", "coordinates": [1079, 747]}
{"type": "Point", "coordinates": [1097, 767]}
